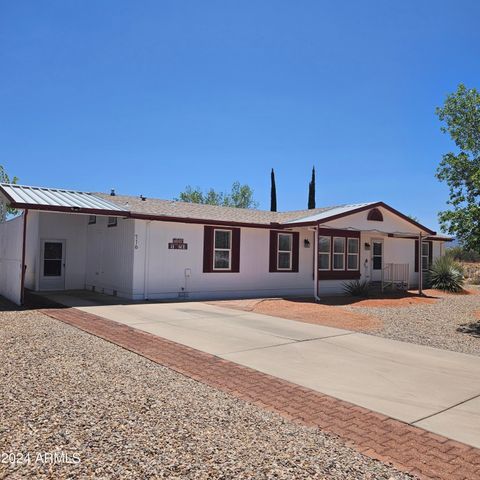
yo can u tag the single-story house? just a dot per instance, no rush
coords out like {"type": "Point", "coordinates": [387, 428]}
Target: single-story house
{"type": "Point", "coordinates": [144, 248]}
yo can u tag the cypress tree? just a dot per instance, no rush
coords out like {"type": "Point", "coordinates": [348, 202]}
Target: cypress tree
{"type": "Point", "coordinates": [273, 193]}
{"type": "Point", "coordinates": [311, 191]}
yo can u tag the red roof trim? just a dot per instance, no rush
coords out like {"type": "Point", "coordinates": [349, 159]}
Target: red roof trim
{"type": "Point", "coordinates": [166, 218]}
{"type": "Point", "coordinates": [60, 209]}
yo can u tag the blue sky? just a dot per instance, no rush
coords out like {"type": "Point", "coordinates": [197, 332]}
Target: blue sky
{"type": "Point", "coordinates": [150, 96]}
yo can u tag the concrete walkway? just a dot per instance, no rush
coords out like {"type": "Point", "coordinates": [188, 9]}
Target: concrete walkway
{"type": "Point", "coordinates": [437, 390]}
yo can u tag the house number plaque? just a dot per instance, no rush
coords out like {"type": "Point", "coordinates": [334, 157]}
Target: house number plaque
{"type": "Point", "coordinates": [177, 244]}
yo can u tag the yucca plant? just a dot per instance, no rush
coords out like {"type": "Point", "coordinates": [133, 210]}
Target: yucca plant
{"type": "Point", "coordinates": [446, 274]}
{"type": "Point", "coordinates": [357, 288]}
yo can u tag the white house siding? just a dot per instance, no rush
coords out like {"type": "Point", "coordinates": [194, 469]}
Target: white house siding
{"type": "Point", "coordinates": [391, 223]}
{"type": "Point", "coordinates": [32, 249]}
{"type": "Point", "coordinates": [109, 256]}
{"type": "Point", "coordinates": [165, 276]}
{"type": "Point", "coordinates": [11, 241]}
{"type": "Point", "coordinates": [71, 228]}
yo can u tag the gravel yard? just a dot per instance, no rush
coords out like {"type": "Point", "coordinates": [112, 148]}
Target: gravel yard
{"type": "Point", "coordinates": [125, 417]}
{"type": "Point", "coordinates": [435, 325]}
{"type": "Point", "coordinates": [440, 320]}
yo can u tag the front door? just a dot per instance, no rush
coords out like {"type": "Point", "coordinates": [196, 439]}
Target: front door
{"type": "Point", "coordinates": [377, 260]}
{"type": "Point", "coordinates": [52, 265]}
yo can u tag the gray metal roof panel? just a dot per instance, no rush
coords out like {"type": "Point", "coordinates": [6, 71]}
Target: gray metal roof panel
{"type": "Point", "coordinates": [56, 197]}
{"type": "Point", "coordinates": [327, 213]}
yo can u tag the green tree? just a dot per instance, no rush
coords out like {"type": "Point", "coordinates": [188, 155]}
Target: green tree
{"type": "Point", "coordinates": [273, 192]}
{"type": "Point", "coordinates": [4, 210]}
{"type": "Point", "coordinates": [311, 191]}
{"type": "Point", "coordinates": [461, 170]}
{"type": "Point", "coordinates": [240, 196]}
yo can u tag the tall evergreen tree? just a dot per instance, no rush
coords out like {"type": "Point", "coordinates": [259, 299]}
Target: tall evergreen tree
{"type": "Point", "coordinates": [273, 193]}
{"type": "Point", "coordinates": [311, 191]}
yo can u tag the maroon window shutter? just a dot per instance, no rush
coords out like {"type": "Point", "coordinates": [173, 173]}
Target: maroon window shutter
{"type": "Point", "coordinates": [416, 255]}
{"type": "Point", "coordinates": [207, 249]}
{"type": "Point", "coordinates": [273, 251]}
{"type": "Point", "coordinates": [430, 252]}
{"type": "Point", "coordinates": [235, 250]}
{"type": "Point", "coordinates": [296, 251]}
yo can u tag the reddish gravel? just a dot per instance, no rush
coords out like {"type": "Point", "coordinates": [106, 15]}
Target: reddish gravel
{"type": "Point", "coordinates": [306, 311]}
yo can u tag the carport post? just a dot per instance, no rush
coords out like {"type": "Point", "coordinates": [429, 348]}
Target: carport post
{"type": "Point", "coordinates": [420, 265]}
{"type": "Point", "coordinates": [315, 265]}
{"type": "Point", "coordinates": [23, 266]}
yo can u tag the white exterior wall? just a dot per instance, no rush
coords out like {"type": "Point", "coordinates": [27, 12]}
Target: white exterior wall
{"type": "Point", "coordinates": [11, 242]}
{"type": "Point", "coordinates": [32, 250]}
{"type": "Point", "coordinates": [164, 276]}
{"type": "Point", "coordinates": [109, 256]}
{"type": "Point", "coordinates": [113, 260]}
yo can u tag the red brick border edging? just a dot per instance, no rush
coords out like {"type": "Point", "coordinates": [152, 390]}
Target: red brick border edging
{"type": "Point", "coordinates": [407, 448]}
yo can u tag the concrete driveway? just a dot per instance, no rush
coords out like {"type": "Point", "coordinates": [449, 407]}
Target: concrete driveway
{"type": "Point", "coordinates": [434, 389]}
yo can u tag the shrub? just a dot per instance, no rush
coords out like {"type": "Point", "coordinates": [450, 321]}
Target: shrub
{"type": "Point", "coordinates": [446, 274]}
{"type": "Point", "coordinates": [357, 288]}
{"type": "Point", "coordinates": [462, 255]}
{"type": "Point", "coordinates": [475, 280]}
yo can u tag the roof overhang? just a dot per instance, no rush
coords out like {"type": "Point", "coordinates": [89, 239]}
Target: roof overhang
{"type": "Point", "coordinates": [57, 200]}
{"type": "Point", "coordinates": [329, 218]}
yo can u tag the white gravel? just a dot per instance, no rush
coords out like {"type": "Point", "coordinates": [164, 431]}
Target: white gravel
{"type": "Point", "coordinates": [445, 324]}
{"type": "Point", "coordinates": [125, 417]}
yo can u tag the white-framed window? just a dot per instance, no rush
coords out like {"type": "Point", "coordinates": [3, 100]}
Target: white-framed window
{"type": "Point", "coordinates": [112, 221]}
{"type": "Point", "coordinates": [222, 249]}
{"type": "Point", "coordinates": [92, 219]}
{"type": "Point", "coordinates": [425, 256]}
{"type": "Point", "coordinates": [284, 251]}
{"type": "Point", "coordinates": [353, 252]}
{"type": "Point", "coordinates": [338, 253]}
{"type": "Point", "coordinates": [324, 250]}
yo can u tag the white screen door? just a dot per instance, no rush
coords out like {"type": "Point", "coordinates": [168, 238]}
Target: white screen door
{"type": "Point", "coordinates": [52, 265]}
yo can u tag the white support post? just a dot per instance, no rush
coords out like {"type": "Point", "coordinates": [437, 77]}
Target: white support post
{"type": "Point", "coordinates": [315, 264]}
{"type": "Point", "coordinates": [420, 265]}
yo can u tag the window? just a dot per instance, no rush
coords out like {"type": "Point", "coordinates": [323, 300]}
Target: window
{"type": "Point", "coordinates": [92, 219]}
{"type": "Point", "coordinates": [52, 259]}
{"type": "Point", "coordinates": [112, 221]}
{"type": "Point", "coordinates": [338, 253]}
{"type": "Point", "coordinates": [353, 253]}
{"type": "Point", "coordinates": [425, 255]}
{"type": "Point", "coordinates": [222, 249]}
{"type": "Point", "coordinates": [284, 251]}
{"type": "Point", "coordinates": [324, 244]}
{"type": "Point", "coordinates": [375, 215]}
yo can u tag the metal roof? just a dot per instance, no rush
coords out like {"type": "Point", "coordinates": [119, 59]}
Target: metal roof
{"type": "Point", "coordinates": [330, 213]}
{"type": "Point", "coordinates": [54, 197]}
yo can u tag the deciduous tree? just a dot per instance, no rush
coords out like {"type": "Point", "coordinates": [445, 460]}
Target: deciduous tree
{"type": "Point", "coordinates": [240, 196]}
{"type": "Point", "coordinates": [460, 170]}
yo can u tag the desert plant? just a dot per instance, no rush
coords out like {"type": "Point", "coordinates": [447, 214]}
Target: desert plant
{"type": "Point", "coordinates": [446, 274]}
{"type": "Point", "coordinates": [357, 288]}
{"type": "Point", "coordinates": [462, 254]}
